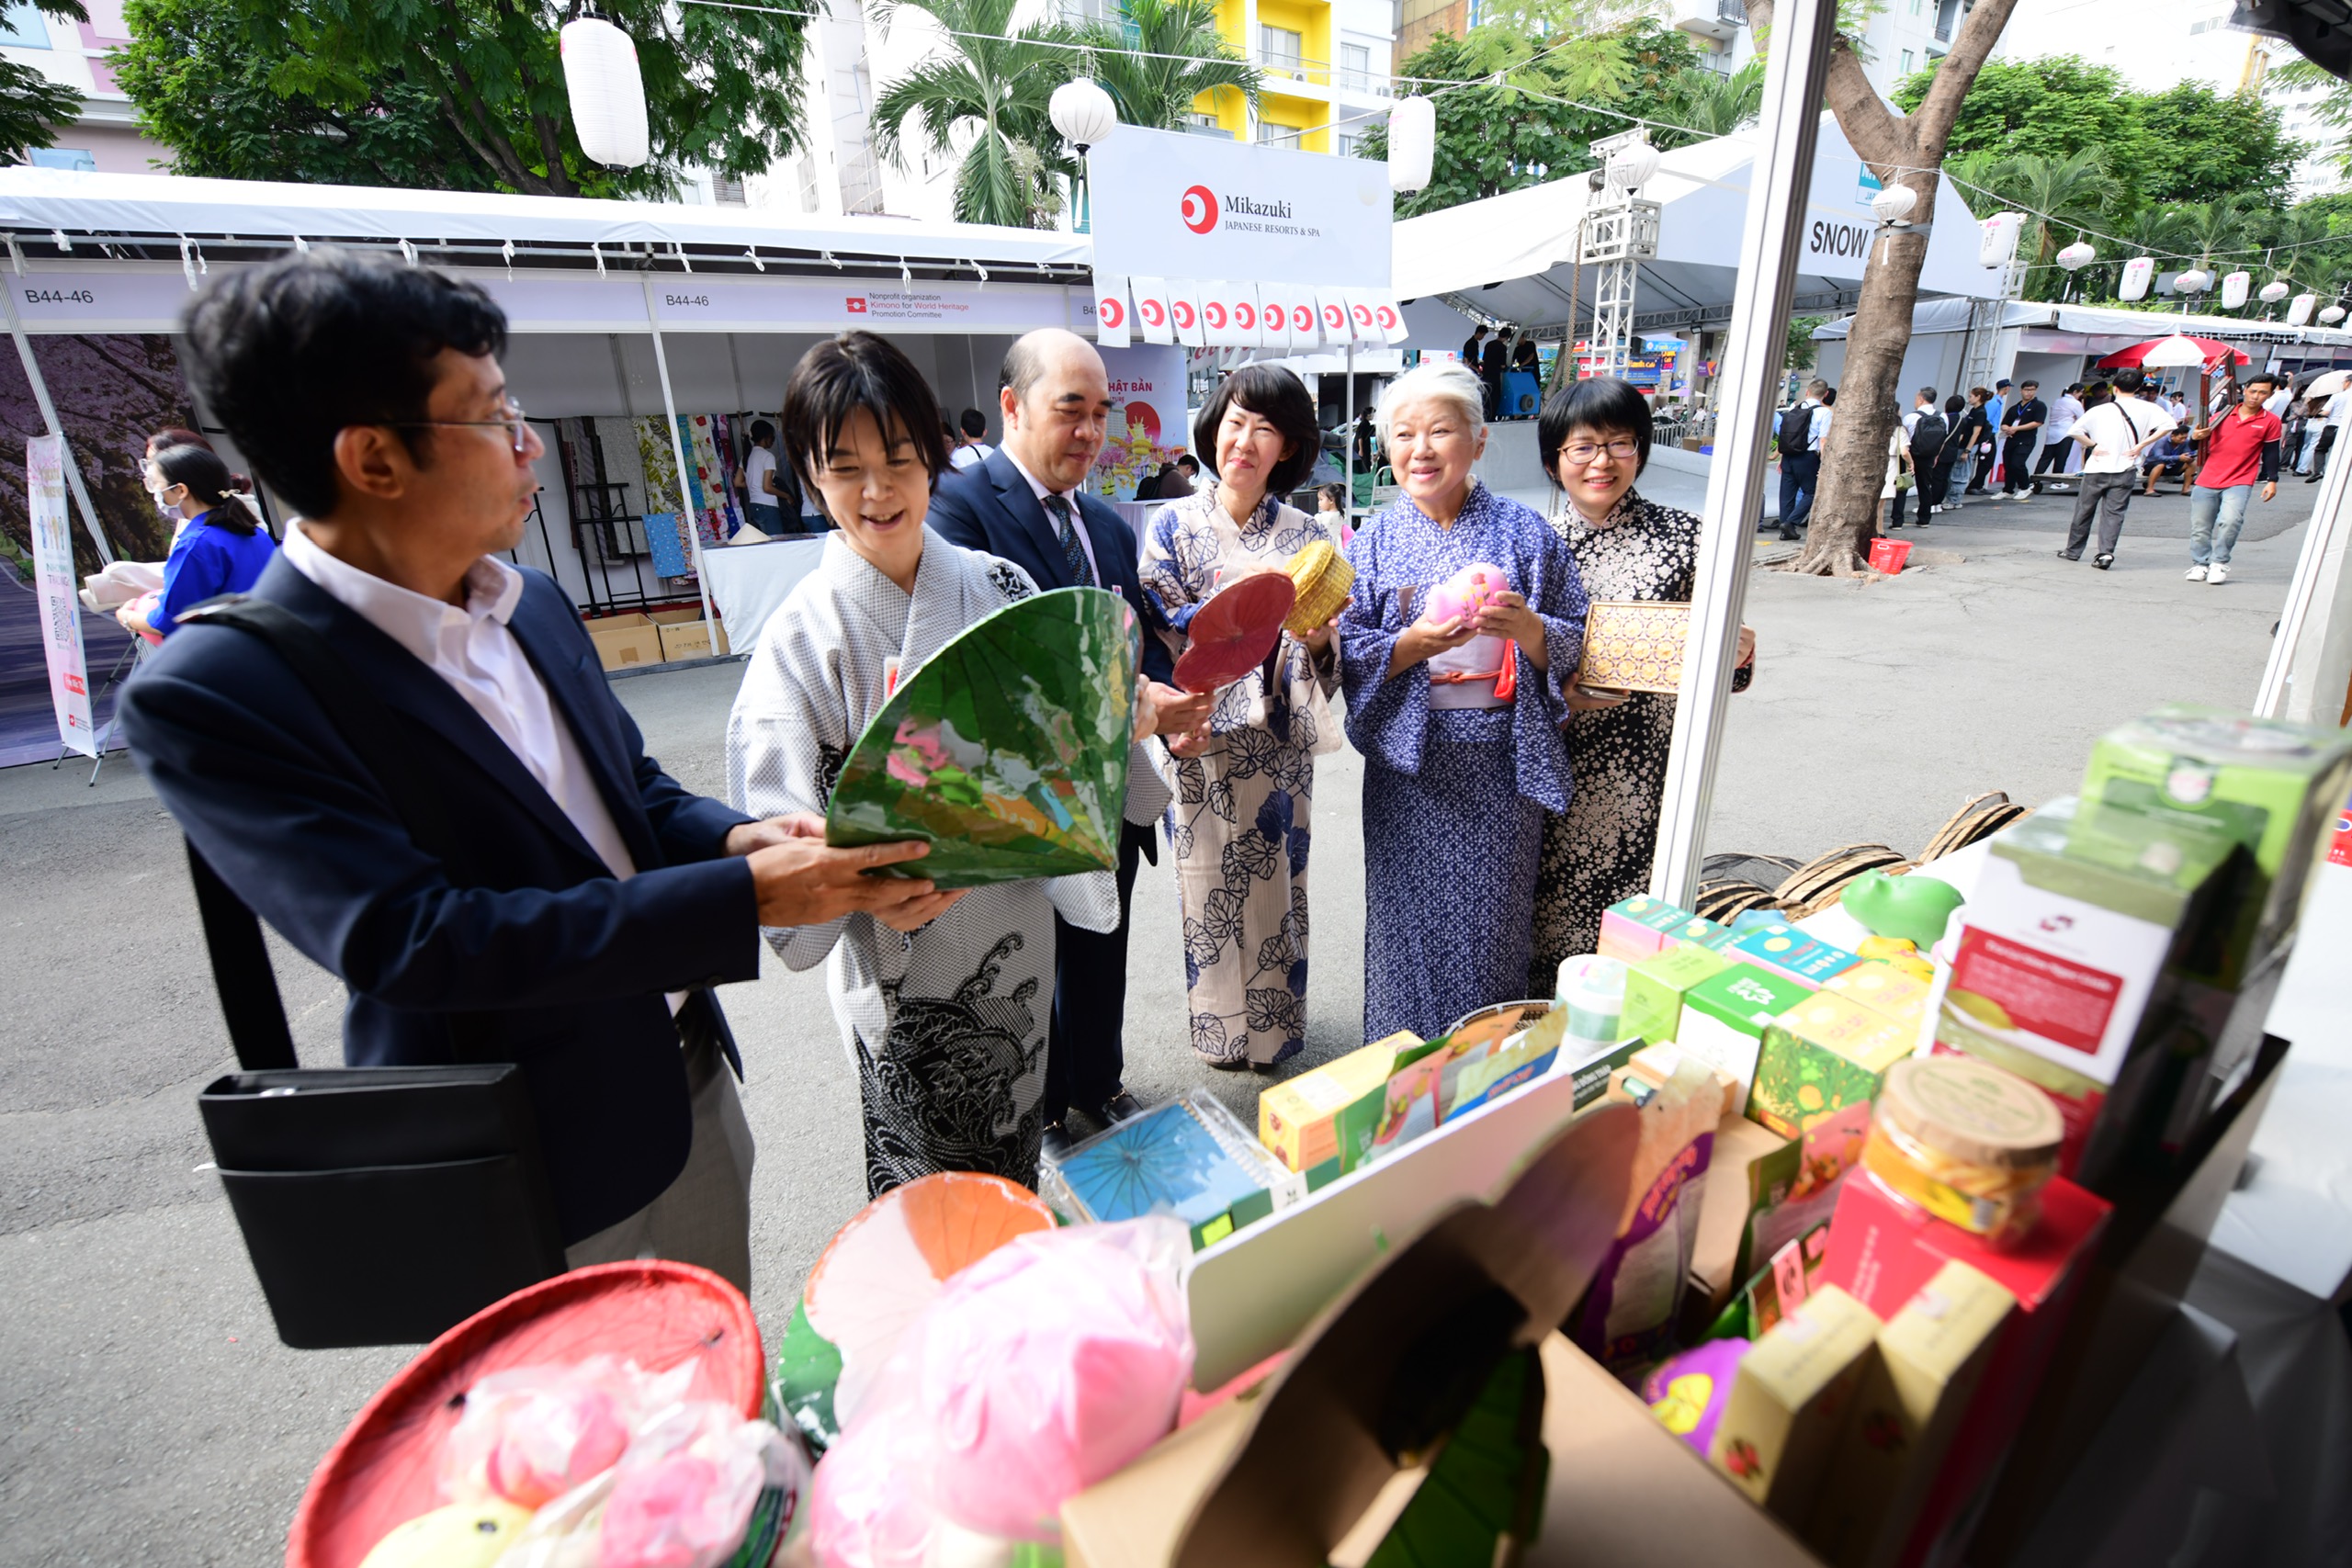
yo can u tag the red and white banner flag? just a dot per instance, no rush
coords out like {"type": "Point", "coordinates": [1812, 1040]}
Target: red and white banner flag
{"type": "Point", "coordinates": [1184, 312]}
{"type": "Point", "coordinates": [1111, 310]}
{"type": "Point", "coordinates": [1151, 310]}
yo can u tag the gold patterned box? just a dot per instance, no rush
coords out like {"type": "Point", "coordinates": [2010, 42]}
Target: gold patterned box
{"type": "Point", "coordinates": [1634, 645]}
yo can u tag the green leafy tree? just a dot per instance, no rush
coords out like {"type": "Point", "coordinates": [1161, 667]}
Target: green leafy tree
{"type": "Point", "coordinates": [2062, 196]}
{"type": "Point", "coordinates": [1163, 58]}
{"type": "Point", "coordinates": [1708, 104]}
{"type": "Point", "coordinates": [465, 95]}
{"type": "Point", "coordinates": [33, 109]}
{"type": "Point", "coordinates": [1003, 79]}
{"type": "Point", "coordinates": [1492, 139]}
{"type": "Point", "coordinates": [2188, 143]}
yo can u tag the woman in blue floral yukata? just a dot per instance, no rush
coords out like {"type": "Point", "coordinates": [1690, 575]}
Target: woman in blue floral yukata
{"type": "Point", "coordinates": [1458, 721]}
{"type": "Point", "coordinates": [1239, 826]}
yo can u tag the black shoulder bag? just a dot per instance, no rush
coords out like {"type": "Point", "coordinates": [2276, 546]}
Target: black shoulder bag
{"type": "Point", "coordinates": [380, 1206]}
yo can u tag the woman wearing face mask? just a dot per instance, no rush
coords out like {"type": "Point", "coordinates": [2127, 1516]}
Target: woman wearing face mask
{"type": "Point", "coordinates": [1458, 718]}
{"type": "Point", "coordinates": [944, 1009]}
{"type": "Point", "coordinates": [220, 550]}
{"type": "Point", "coordinates": [1245, 790]}
{"type": "Point", "coordinates": [1595, 436]}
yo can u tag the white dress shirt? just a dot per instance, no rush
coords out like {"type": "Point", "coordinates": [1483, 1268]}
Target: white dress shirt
{"type": "Point", "coordinates": [1077, 518]}
{"type": "Point", "coordinates": [473, 650]}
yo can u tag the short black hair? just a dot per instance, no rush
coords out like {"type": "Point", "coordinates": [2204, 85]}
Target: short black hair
{"type": "Point", "coordinates": [2023, 384]}
{"type": "Point", "coordinates": [1955, 404]}
{"type": "Point", "coordinates": [858, 370]}
{"type": "Point", "coordinates": [1603, 404]}
{"type": "Point", "coordinates": [1335, 493]}
{"type": "Point", "coordinates": [208, 480]}
{"type": "Point", "coordinates": [288, 355]}
{"type": "Point", "coordinates": [1279, 398]}
{"type": "Point", "coordinates": [2131, 379]}
{"type": "Point", "coordinates": [1188, 463]}
{"type": "Point", "coordinates": [2267, 377]}
{"type": "Point", "coordinates": [761, 431]}
{"type": "Point", "coordinates": [975, 424]}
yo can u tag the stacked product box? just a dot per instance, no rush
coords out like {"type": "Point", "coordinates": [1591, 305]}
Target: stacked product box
{"type": "Point", "coordinates": [1656, 986]}
{"type": "Point", "coordinates": [1724, 1016]}
{"type": "Point", "coordinates": [1634, 929]}
{"type": "Point", "coordinates": [2070, 962]}
{"type": "Point", "coordinates": [1793, 955]}
{"type": "Point", "coordinates": [1823, 1057]}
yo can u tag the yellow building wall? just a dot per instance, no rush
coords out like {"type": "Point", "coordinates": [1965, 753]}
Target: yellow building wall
{"type": "Point", "coordinates": [1312, 20]}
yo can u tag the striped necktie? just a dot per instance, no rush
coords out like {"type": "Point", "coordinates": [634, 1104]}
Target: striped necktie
{"type": "Point", "coordinates": [1081, 571]}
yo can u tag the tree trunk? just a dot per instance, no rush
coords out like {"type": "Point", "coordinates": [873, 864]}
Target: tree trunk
{"type": "Point", "coordinates": [1905, 150]}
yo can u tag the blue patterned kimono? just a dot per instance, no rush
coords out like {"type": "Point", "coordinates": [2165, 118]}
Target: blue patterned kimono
{"type": "Point", "coordinates": [1454, 799]}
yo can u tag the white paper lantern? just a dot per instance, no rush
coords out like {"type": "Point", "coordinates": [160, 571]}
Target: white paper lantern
{"type": "Point", "coordinates": [1083, 113]}
{"type": "Point", "coordinates": [2235, 290]}
{"type": "Point", "coordinates": [1996, 239]}
{"type": "Point", "coordinates": [607, 92]}
{"type": "Point", "coordinates": [2332, 315]}
{"type": "Point", "coordinates": [1893, 203]}
{"type": "Point", "coordinates": [1630, 166]}
{"type": "Point", "coordinates": [2076, 257]}
{"type": "Point", "coordinates": [1412, 144]}
{"type": "Point", "coordinates": [2194, 281]}
{"type": "Point", "coordinates": [2138, 273]}
{"type": "Point", "coordinates": [2300, 311]}
{"type": "Point", "coordinates": [2273, 292]}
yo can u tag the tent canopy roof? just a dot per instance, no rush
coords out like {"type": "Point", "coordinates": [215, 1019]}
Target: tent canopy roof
{"type": "Point", "coordinates": [151, 213]}
{"type": "Point", "coordinates": [1508, 256]}
{"type": "Point", "coordinates": [2106, 328]}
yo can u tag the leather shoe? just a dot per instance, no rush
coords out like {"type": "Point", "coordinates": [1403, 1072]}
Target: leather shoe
{"type": "Point", "coordinates": [1055, 1143]}
{"type": "Point", "coordinates": [1120, 1107]}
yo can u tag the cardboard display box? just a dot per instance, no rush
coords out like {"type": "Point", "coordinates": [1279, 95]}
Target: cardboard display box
{"type": "Point", "coordinates": [626, 642]}
{"type": "Point", "coordinates": [1790, 1401]}
{"type": "Point", "coordinates": [1725, 1017]}
{"type": "Point", "coordinates": [684, 635]}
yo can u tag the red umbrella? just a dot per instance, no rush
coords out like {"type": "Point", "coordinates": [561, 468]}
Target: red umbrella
{"type": "Point", "coordinates": [2216, 353]}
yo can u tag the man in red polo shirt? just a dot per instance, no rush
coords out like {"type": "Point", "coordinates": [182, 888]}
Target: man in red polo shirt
{"type": "Point", "coordinates": [2244, 449]}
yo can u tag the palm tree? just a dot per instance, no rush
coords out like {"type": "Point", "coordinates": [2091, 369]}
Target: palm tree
{"type": "Point", "coordinates": [1133, 61]}
{"type": "Point", "coordinates": [1707, 104]}
{"type": "Point", "coordinates": [1011, 171]}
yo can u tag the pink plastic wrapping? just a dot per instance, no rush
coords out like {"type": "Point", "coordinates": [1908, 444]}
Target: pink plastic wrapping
{"type": "Point", "coordinates": [1467, 591]}
{"type": "Point", "coordinates": [530, 1434]}
{"type": "Point", "coordinates": [1041, 1369]}
{"type": "Point", "coordinates": [681, 1497]}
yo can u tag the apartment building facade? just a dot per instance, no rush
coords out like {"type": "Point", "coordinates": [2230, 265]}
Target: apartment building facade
{"type": "Point", "coordinates": [105, 135]}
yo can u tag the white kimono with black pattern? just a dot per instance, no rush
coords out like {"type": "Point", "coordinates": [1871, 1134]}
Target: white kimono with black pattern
{"type": "Point", "coordinates": [947, 1026]}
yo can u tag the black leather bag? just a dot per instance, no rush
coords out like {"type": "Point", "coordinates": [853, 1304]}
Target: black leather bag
{"type": "Point", "coordinates": [380, 1205]}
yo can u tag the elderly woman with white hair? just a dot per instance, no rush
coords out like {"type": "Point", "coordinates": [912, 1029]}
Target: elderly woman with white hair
{"type": "Point", "coordinates": [1458, 718]}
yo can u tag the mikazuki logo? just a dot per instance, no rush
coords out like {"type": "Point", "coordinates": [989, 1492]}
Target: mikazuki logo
{"type": "Point", "coordinates": [1199, 209]}
{"type": "Point", "coordinates": [1112, 313]}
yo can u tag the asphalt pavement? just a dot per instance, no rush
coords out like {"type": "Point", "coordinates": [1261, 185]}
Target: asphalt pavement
{"type": "Point", "coordinates": [147, 1411]}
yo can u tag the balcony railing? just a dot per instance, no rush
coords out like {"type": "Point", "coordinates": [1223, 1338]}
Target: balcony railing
{"type": "Point", "coordinates": [1319, 73]}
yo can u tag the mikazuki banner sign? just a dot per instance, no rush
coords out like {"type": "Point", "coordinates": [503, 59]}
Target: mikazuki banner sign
{"type": "Point", "coordinates": [1215, 243]}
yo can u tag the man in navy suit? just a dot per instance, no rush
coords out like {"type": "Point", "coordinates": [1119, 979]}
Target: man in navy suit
{"type": "Point", "coordinates": [1023, 503]}
{"type": "Point", "coordinates": [589, 902]}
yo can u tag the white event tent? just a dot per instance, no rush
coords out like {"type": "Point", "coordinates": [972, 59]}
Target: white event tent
{"type": "Point", "coordinates": [1510, 258]}
{"type": "Point", "coordinates": [618, 310]}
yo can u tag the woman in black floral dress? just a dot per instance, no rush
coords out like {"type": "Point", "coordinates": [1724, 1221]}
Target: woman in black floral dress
{"type": "Point", "coordinates": [1596, 441]}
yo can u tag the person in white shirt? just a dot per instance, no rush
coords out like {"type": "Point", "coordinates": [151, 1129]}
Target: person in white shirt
{"type": "Point", "coordinates": [2111, 436]}
{"type": "Point", "coordinates": [763, 501]}
{"type": "Point", "coordinates": [971, 450]}
{"type": "Point", "coordinates": [2055, 448]}
{"type": "Point", "coordinates": [2338, 407]}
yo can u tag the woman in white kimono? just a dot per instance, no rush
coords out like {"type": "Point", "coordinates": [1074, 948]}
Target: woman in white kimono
{"type": "Point", "coordinates": [1240, 823]}
{"type": "Point", "coordinates": [944, 1008]}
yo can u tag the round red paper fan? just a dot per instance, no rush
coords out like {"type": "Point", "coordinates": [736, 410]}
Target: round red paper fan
{"type": "Point", "coordinates": [1235, 630]}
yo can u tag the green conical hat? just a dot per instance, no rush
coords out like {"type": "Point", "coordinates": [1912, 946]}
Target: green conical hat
{"type": "Point", "coordinates": [1006, 751]}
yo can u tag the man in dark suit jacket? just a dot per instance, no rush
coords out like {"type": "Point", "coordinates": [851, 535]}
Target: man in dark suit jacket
{"type": "Point", "coordinates": [1023, 503]}
{"type": "Point", "coordinates": [583, 883]}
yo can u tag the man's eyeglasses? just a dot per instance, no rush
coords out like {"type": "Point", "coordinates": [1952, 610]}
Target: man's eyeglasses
{"type": "Point", "coordinates": [1623, 446]}
{"type": "Point", "coordinates": [515, 424]}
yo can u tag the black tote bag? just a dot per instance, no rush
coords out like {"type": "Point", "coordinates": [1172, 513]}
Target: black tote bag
{"type": "Point", "coordinates": [380, 1205]}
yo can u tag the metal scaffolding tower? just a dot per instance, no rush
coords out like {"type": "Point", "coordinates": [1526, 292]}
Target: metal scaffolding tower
{"type": "Point", "coordinates": [1620, 231]}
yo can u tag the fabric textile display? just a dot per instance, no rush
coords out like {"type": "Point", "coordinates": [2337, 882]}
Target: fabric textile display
{"type": "Point", "coordinates": [716, 513]}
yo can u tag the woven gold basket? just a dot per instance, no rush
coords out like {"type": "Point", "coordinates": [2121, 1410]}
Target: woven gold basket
{"type": "Point", "coordinates": [1323, 578]}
